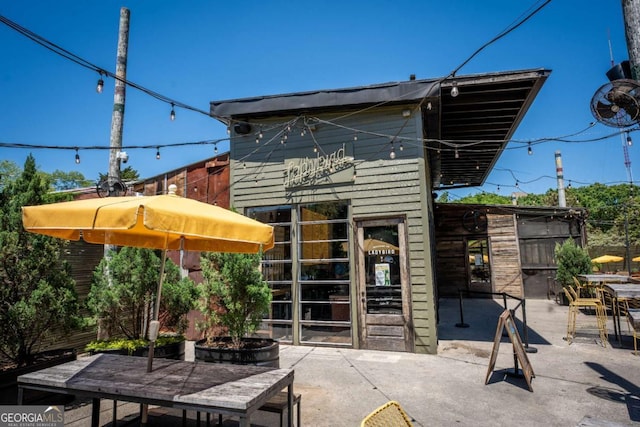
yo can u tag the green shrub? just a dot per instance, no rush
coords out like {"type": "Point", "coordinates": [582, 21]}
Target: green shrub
{"type": "Point", "coordinates": [571, 260]}
{"type": "Point", "coordinates": [123, 291]}
{"type": "Point", "coordinates": [235, 296]}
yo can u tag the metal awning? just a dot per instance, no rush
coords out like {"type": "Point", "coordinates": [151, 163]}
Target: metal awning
{"type": "Point", "coordinates": [464, 135]}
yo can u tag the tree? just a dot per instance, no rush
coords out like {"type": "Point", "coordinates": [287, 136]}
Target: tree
{"type": "Point", "coordinates": [37, 294]}
{"type": "Point", "coordinates": [127, 174]}
{"type": "Point", "coordinates": [124, 287]}
{"type": "Point", "coordinates": [69, 180]}
{"type": "Point", "coordinates": [571, 260]}
{"type": "Point", "coordinates": [235, 295]}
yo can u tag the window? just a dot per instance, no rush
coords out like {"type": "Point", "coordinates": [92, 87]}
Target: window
{"type": "Point", "coordinates": [479, 263]}
{"type": "Point", "coordinates": [314, 278]}
{"type": "Point", "coordinates": [324, 273]}
{"type": "Point", "coordinates": [277, 270]}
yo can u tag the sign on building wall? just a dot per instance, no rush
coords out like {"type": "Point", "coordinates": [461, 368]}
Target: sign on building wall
{"type": "Point", "coordinates": [327, 166]}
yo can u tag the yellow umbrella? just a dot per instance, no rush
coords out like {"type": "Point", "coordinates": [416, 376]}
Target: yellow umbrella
{"type": "Point", "coordinates": [607, 258]}
{"type": "Point", "coordinates": [636, 258]}
{"type": "Point", "coordinates": [155, 222]}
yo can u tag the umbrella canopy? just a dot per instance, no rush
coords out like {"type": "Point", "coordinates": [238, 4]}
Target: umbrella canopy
{"type": "Point", "coordinates": [155, 222]}
{"type": "Point", "coordinates": [607, 258]}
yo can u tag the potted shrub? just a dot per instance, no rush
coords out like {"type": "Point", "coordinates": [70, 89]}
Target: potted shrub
{"type": "Point", "coordinates": [235, 297]}
{"type": "Point", "coordinates": [38, 300]}
{"type": "Point", "coordinates": [571, 261]}
{"type": "Point", "coordinates": [121, 296]}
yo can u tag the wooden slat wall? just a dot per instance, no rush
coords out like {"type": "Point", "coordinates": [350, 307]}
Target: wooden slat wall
{"type": "Point", "coordinates": [383, 187]}
{"type": "Point", "coordinates": [451, 273]}
{"type": "Point", "coordinates": [506, 273]}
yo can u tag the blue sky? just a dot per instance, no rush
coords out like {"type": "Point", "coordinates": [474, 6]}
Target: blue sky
{"type": "Point", "coordinates": [199, 51]}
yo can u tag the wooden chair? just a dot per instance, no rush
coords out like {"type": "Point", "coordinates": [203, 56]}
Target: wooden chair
{"type": "Point", "coordinates": [576, 304]}
{"type": "Point", "coordinates": [389, 414]}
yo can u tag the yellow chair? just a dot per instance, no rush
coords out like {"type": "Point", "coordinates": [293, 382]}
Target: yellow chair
{"type": "Point", "coordinates": [633, 319]}
{"type": "Point", "coordinates": [390, 414]}
{"type": "Point", "coordinates": [576, 303]}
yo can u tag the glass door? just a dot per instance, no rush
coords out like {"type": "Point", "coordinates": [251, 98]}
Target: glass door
{"type": "Point", "coordinates": [383, 285]}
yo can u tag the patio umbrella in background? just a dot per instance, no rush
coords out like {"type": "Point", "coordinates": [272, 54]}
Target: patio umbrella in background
{"type": "Point", "coordinates": [167, 222]}
{"type": "Point", "coordinates": [636, 259]}
{"type": "Point", "coordinates": [604, 259]}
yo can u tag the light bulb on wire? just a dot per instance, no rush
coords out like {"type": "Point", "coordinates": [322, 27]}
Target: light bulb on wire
{"type": "Point", "coordinates": [629, 140]}
{"type": "Point", "coordinates": [158, 153]}
{"type": "Point", "coordinates": [77, 157]}
{"type": "Point", "coordinates": [100, 85]}
{"type": "Point", "coordinates": [529, 150]}
{"type": "Point", "coordinates": [172, 115]}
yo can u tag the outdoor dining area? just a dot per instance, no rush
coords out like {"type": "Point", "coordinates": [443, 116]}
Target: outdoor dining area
{"type": "Point", "coordinates": [608, 296]}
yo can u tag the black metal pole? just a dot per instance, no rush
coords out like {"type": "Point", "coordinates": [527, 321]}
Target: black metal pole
{"type": "Point", "coordinates": [525, 330]}
{"type": "Point", "coordinates": [461, 324]}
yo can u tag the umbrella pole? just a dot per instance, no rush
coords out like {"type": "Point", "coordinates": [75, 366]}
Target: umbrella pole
{"type": "Point", "coordinates": [156, 313]}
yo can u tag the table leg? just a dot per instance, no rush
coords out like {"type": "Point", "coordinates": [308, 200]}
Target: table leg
{"type": "Point", "coordinates": [290, 405]}
{"type": "Point", "coordinates": [616, 320]}
{"type": "Point", "coordinates": [95, 412]}
{"type": "Point", "coordinates": [244, 421]}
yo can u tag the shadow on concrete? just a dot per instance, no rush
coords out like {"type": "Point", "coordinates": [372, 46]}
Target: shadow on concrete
{"type": "Point", "coordinates": [509, 376]}
{"type": "Point", "coordinates": [631, 396]}
{"type": "Point", "coordinates": [479, 316]}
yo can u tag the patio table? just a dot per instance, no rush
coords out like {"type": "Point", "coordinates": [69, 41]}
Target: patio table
{"type": "Point", "coordinates": [604, 278]}
{"type": "Point", "coordinates": [237, 390]}
{"type": "Point", "coordinates": [621, 290]}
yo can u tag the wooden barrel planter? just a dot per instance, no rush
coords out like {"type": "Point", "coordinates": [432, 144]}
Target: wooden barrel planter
{"type": "Point", "coordinates": [46, 359]}
{"type": "Point", "coordinates": [256, 351]}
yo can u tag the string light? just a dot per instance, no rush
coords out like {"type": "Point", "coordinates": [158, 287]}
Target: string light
{"type": "Point", "coordinates": [315, 147]}
{"type": "Point", "coordinates": [77, 157]}
{"type": "Point", "coordinates": [456, 154]}
{"type": "Point", "coordinates": [629, 141]}
{"type": "Point", "coordinates": [172, 115]}
{"type": "Point", "coordinates": [529, 150]}
{"type": "Point", "coordinates": [158, 153]}
{"type": "Point", "coordinates": [392, 154]}
{"type": "Point", "coordinates": [215, 148]}
{"type": "Point", "coordinates": [100, 85]}
{"type": "Point", "coordinates": [355, 136]}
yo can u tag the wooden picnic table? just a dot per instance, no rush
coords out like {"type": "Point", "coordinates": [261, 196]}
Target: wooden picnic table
{"type": "Point", "coordinates": [237, 390]}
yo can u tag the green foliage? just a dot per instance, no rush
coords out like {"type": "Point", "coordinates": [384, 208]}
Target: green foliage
{"type": "Point", "coordinates": [69, 180]}
{"type": "Point", "coordinates": [131, 345]}
{"type": "Point", "coordinates": [123, 289]}
{"type": "Point", "coordinates": [126, 174]}
{"type": "Point", "coordinates": [571, 260]}
{"type": "Point", "coordinates": [38, 299]}
{"type": "Point", "coordinates": [235, 295]}
{"type": "Point", "coordinates": [486, 199]}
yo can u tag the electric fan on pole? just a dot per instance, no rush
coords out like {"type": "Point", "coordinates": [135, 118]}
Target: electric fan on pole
{"type": "Point", "coordinates": [617, 103]}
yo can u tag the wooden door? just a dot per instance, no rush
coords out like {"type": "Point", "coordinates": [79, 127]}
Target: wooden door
{"type": "Point", "coordinates": [384, 294]}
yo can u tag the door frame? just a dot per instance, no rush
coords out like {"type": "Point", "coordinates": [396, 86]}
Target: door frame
{"type": "Point", "coordinates": [379, 321]}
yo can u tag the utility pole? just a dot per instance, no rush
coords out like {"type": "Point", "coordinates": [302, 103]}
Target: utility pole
{"type": "Point", "coordinates": [117, 116]}
{"type": "Point", "coordinates": [562, 201]}
{"type": "Point", "coordinates": [631, 14]}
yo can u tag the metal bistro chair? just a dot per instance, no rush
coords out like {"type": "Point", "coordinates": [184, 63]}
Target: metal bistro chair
{"type": "Point", "coordinates": [576, 303]}
{"type": "Point", "coordinates": [390, 414]}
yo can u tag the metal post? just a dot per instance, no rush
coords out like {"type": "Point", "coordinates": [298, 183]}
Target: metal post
{"type": "Point", "coordinates": [461, 324]}
{"type": "Point", "coordinates": [525, 329]}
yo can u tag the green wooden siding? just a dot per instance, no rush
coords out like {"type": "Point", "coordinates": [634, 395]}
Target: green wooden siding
{"type": "Point", "coordinates": [383, 187]}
